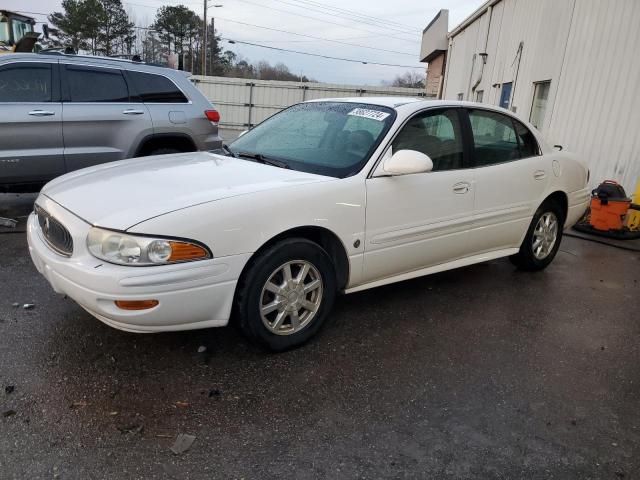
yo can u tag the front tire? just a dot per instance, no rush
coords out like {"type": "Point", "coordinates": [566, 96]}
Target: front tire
{"type": "Point", "coordinates": [286, 294]}
{"type": "Point", "coordinates": [542, 241]}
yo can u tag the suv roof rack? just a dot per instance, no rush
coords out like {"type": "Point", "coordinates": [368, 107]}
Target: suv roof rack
{"type": "Point", "coordinates": [116, 58]}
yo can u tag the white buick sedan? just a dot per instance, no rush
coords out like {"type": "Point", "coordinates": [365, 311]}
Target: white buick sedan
{"type": "Point", "coordinates": [325, 197]}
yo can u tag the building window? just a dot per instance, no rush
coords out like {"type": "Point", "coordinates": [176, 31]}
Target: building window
{"type": "Point", "coordinates": [505, 95]}
{"type": "Point", "coordinates": [460, 95]}
{"type": "Point", "coordinates": [539, 105]}
{"type": "Point", "coordinates": [479, 96]}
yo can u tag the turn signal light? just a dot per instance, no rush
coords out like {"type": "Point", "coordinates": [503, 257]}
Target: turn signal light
{"type": "Point", "coordinates": [212, 115]}
{"type": "Point", "coordinates": [136, 304]}
{"type": "Point", "coordinates": [181, 252]}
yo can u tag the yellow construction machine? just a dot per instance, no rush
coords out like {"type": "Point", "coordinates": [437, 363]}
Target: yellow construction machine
{"type": "Point", "coordinates": [16, 32]}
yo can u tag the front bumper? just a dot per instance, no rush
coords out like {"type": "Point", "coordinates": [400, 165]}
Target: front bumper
{"type": "Point", "coordinates": [190, 295]}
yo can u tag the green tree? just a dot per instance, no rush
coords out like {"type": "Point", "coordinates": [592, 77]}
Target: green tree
{"type": "Point", "coordinates": [115, 27]}
{"type": "Point", "coordinates": [176, 25]}
{"type": "Point", "coordinates": [94, 25]}
{"type": "Point", "coordinates": [78, 24]}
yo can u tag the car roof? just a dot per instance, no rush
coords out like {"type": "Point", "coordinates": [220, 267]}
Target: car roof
{"type": "Point", "coordinates": [92, 59]}
{"type": "Point", "coordinates": [413, 103]}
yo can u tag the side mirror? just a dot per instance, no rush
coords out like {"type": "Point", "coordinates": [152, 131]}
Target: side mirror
{"type": "Point", "coordinates": [406, 162]}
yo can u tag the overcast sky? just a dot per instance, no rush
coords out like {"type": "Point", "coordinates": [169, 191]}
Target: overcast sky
{"type": "Point", "coordinates": [398, 28]}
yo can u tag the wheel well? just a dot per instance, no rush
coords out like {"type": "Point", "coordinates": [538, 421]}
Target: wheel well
{"type": "Point", "coordinates": [180, 142]}
{"type": "Point", "coordinates": [328, 240]}
{"type": "Point", "coordinates": [560, 198]}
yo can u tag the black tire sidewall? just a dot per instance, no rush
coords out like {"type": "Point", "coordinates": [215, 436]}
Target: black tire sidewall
{"type": "Point", "coordinates": [526, 259]}
{"type": "Point", "coordinates": [164, 151]}
{"type": "Point", "coordinates": [261, 269]}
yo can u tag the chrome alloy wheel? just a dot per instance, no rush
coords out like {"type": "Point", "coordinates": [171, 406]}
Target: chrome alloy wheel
{"type": "Point", "coordinates": [291, 297]}
{"type": "Point", "coordinates": [545, 235]}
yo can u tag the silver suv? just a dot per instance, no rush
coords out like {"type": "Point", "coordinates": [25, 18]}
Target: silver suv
{"type": "Point", "coordinates": [64, 112]}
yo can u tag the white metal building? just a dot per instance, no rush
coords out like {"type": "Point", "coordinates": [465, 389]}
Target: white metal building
{"type": "Point", "coordinates": [570, 67]}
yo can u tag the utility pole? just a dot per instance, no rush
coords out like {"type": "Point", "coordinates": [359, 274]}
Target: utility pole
{"type": "Point", "coordinates": [204, 42]}
{"type": "Point", "coordinates": [213, 32]}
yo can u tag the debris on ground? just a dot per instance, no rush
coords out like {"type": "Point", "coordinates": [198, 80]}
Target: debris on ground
{"type": "Point", "coordinates": [183, 443]}
{"type": "Point", "coordinates": [79, 404]}
{"type": "Point", "coordinates": [131, 429]}
{"type": "Point", "coordinates": [214, 393]}
{"type": "Point", "coordinates": [182, 404]}
{"type": "Point", "coordinates": [15, 304]}
{"type": "Point", "coordinates": [8, 222]}
{"type": "Point", "coordinates": [28, 306]}
{"type": "Point", "coordinates": [8, 413]}
{"type": "Point", "coordinates": [202, 349]}
{"type": "Point", "coordinates": [9, 389]}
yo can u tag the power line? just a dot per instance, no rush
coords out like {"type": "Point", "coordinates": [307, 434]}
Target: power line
{"type": "Point", "coordinates": [314, 37]}
{"type": "Point", "coordinates": [352, 60]}
{"type": "Point", "coordinates": [351, 16]}
{"type": "Point", "coordinates": [386, 35]}
{"type": "Point", "coordinates": [356, 14]}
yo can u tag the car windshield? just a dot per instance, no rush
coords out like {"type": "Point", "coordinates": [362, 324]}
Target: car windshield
{"type": "Point", "coordinates": [327, 138]}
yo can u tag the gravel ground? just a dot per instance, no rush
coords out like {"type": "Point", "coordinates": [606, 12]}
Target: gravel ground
{"type": "Point", "coordinates": [481, 372]}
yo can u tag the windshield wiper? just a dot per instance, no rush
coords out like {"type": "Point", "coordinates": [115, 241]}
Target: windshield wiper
{"type": "Point", "coordinates": [258, 157]}
{"type": "Point", "coordinates": [228, 151]}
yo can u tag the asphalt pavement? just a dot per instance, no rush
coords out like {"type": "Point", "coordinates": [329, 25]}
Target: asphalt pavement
{"type": "Point", "coordinates": [481, 372]}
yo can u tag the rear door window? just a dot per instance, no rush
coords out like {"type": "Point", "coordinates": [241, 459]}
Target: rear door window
{"type": "Point", "coordinates": [152, 88]}
{"type": "Point", "coordinates": [26, 83]}
{"type": "Point", "coordinates": [528, 143]}
{"type": "Point", "coordinates": [494, 138]}
{"type": "Point", "coordinates": [96, 85]}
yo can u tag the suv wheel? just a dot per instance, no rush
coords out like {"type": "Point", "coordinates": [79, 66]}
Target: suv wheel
{"type": "Point", "coordinates": [163, 151]}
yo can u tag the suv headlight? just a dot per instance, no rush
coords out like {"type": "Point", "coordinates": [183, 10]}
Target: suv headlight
{"type": "Point", "coordinates": [125, 249]}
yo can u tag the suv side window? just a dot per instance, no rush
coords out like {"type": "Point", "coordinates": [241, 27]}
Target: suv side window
{"type": "Point", "coordinates": [528, 143]}
{"type": "Point", "coordinates": [27, 82]}
{"type": "Point", "coordinates": [494, 138]}
{"type": "Point", "coordinates": [437, 134]}
{"type": "Point", "coordinates": [153, 88]}
{"type": "Point", "coordinates": [89, 84]}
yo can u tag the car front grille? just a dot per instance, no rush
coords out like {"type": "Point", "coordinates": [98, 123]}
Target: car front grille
{"type": "Point", "coordinates": [55, 234]}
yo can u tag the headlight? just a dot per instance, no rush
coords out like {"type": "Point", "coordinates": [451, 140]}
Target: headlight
{"type": "Point", "coordinates": [124, 249]}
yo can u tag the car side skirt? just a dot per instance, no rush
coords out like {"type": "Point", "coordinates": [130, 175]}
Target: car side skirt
{"type": "Point", "coordinates": [462, 262]}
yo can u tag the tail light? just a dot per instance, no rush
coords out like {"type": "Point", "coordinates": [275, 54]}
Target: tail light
{"type": "Point", "coordinates": [212, 115]}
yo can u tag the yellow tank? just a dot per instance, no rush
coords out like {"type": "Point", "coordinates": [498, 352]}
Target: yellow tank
{"type": "Point", "coordinates": [633, 217]}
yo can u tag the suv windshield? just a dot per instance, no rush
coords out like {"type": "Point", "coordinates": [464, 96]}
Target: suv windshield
{"type": "Point", "coordinates": [327, 138]}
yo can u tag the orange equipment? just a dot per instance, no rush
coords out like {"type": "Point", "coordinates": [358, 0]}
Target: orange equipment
{"type": "Point", "coordinates": [609, 206]}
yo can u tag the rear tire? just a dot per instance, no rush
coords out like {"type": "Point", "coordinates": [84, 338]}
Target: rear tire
{"type": "Point", "coordinates": [285, 296]}
{"type": "Point", "coordinates": [542, 241]}
{"type": "Point", "coordinates": [163, 151]}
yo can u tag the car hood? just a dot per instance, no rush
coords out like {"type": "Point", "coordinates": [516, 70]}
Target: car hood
{"type": "Point", "coordinates": [122, 194]}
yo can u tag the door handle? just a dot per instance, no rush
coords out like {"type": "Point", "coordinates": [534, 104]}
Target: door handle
{"type": "Point", "coordinates": [461, 188]}
{"type": "Point", "coordinates": [133, 112]}
{"type": "Point", "coordinates": [41, 113]}
{"type": "Point", "coordinates": [539, 174]}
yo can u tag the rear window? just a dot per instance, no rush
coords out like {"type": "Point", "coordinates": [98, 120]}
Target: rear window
{"type": "Point", "coordinates": [155, 88]}
{"type": "Point", "coordinates": [96, 85]}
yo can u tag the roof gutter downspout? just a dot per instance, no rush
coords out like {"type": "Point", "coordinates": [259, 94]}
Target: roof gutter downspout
{"type": "Point", "coordinates": [483, 54]}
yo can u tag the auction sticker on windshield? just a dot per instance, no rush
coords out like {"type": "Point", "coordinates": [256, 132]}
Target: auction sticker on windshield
{"type": "Point", "coordinates": [366, 113]}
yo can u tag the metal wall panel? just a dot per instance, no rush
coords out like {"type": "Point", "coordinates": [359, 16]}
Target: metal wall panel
{"type": "Point", "coordinates": [588, 49]}
{"type": "Point", "coordinates": [243, 102]}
